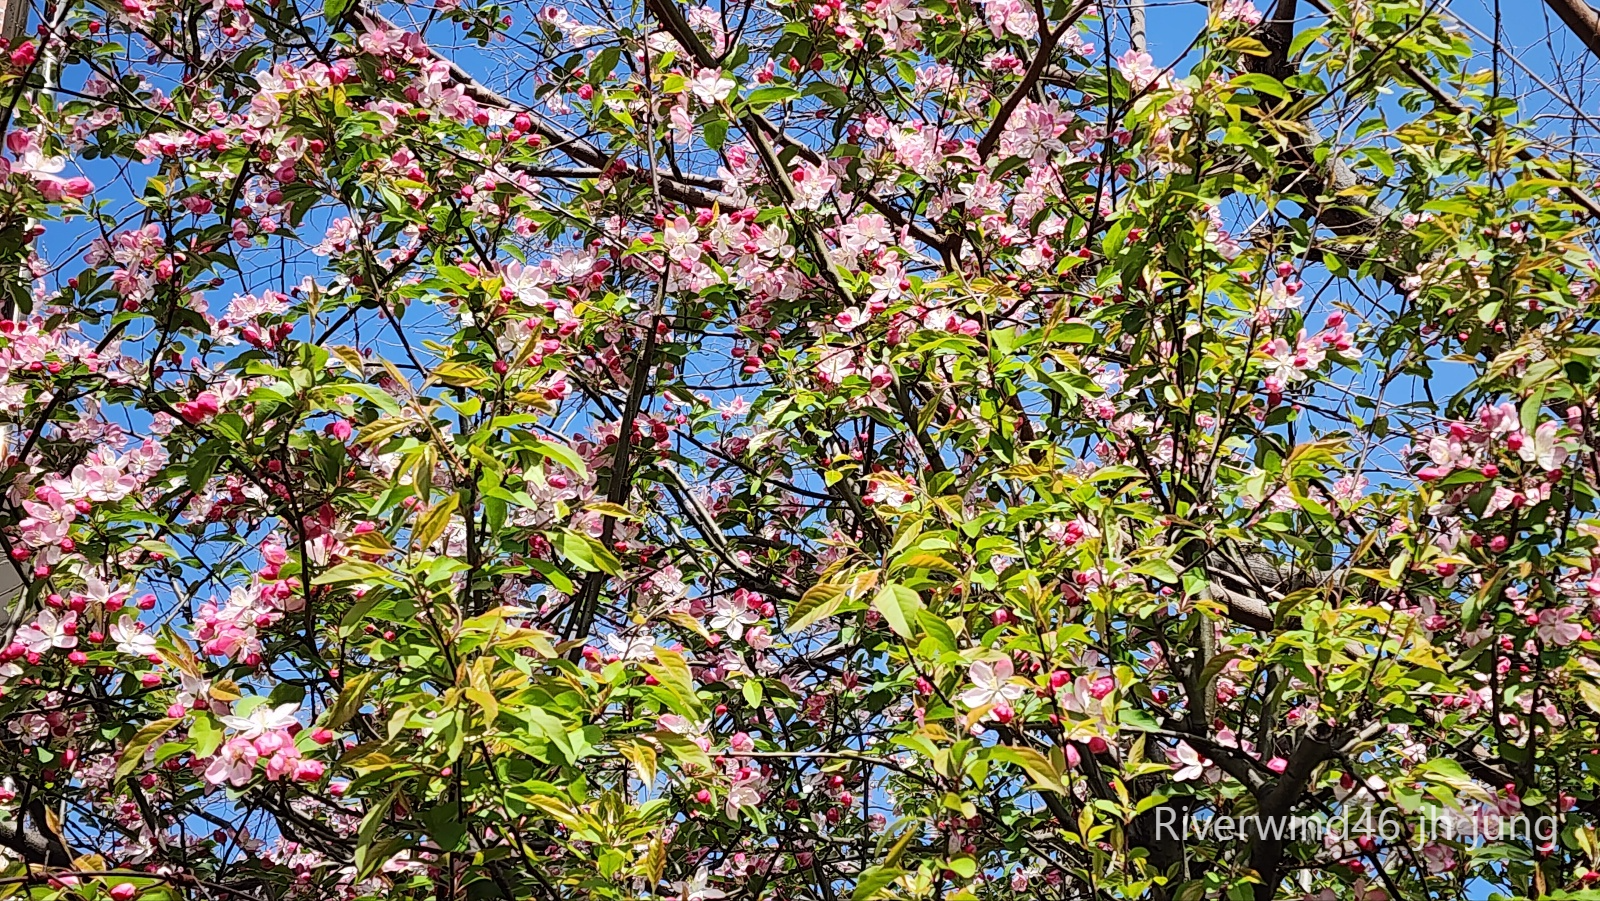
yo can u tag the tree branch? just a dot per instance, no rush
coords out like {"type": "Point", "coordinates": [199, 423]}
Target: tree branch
{"type": "Point", "coordinates": [1041, 61]}
{"type": "Point", "coordinates": [1581, 19]}
{"type": "Point", "coordinates": [692, 191]}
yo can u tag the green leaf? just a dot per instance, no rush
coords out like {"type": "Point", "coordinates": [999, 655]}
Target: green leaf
{"type": "Point", "coordinates": [356, 616]}
{"type": "Point", "coordinates": [133, 752]}
{"type": "Point", "coordinates": [672, 672]}
{"type": "Point", "coordinates": [430, 526]}
{"type": "Point", "coordinates": [873, 880]}
{"type": "Point", "coordinates": [1380, 158]}
{"type": "Point", "coordinates": [938, 631]}
{"type": "Point", "coordinates": [556, 733]}
{"type": "Point", "coordinates": [1036, 765]}
{"type": "Point", "coordinates": [1260, 84]}
{"type": "Point", "coordinates": [715, 133]}
{"type": "Point", "coordinates": [1304, 39]}
{"type": "Point", "coordinates": [1590, 693]}
{"type": "Point", "coordinates": [206, 733]}
{"type": "Point", "coordinates": [585, 553]}
{"type": "Point", "coordinates": [820, 601]}
{"type": "Point", "coordinates": [562, 454]}
{"type": "Point", "coordinates": [763, 97]}
{"type": "Point", "coordinates": [367, 858]}
{"type": "Point", "coordinates": [1074, 333]}
{"type": "Point", "coordinates": [373, 393]}
{"type": "Point", "coordinates": [445, 826]}
{"type": "Point", "coordinates": [353, 571]}
{"type": "Point", "coordinates": [350, 700]}
{"type": "Point", "coordinates": [1107, 473]}
{"type": "Point", "coordinates": [1137, 719]}
{"type": "Point", "coordinates": [899, 849]}
{"type": "Point", "coordinates": [683, 749]}
{"type": "Point", "coordinates": [899, 606]}
{"type": "Point", "coordinates": [1447, 771]}
{"type": "Point", "coordinates": [924, 560]}
{"type": "Point", "coordinates": [1160, 570]}
{"type": "Point", "coordinates": [642, 756]}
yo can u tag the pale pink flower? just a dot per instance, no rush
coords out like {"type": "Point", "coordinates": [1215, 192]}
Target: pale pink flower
{"type": "Point", "coordinates": [1544, 448]}
{"type": "Point", "coordinates": [1555, 626]}
{"type": "Point", "coordinates": [49, 630]}
{"type": "Point", "coordinates": [992, 684]}
{"type": "Point", "coordinates": [234, 764]}
{"type": "Point", "coordinates": [263, 719]}
{"type": "Point", "coordinates": [711, 86]}
{"type": "Point", "coordinates": [731, 614]}
{"type": "Point", "coordinates": [1188, 764]}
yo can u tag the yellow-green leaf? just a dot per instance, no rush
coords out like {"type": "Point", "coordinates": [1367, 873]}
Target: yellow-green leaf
{"type": "Point", "coordinates": [133, 752]}
{"type": "Point", "coordinates": [1036, 765]}
{"type": "Point", "coordinates": [899, 606]}
{"type": "Point", "coordinates": [820, 601]}
{"type": "Point", "coordinates": [351, 697]}
{"type": "Point", "coordinates": [672, 672]}
{"type": "Point", "coordinates": [431, 525]}
{"type": "Point", "coordinates": [353, 571]}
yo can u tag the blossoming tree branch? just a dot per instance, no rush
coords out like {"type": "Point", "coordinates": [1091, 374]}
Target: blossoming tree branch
{"type": "Point", "coordinates": [808, 450]}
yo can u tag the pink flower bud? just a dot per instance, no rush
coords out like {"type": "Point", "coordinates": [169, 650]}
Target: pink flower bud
{"type": "Point", "coordinates": [1101, 687]}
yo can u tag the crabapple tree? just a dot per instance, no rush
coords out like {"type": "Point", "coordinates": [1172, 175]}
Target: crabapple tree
{"type": "Point", "coordinates": [808, 450]}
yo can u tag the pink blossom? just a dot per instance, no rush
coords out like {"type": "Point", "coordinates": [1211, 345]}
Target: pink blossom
{"type": "Point", "coordinates": [1240, 11]}
{"type": "Point", "coordinates": [49, 630]}
{"type": "Point", "coordinates": [1555, 627]}
{"type": "Point", "coordinates": [711, 87]}
{"type": "Point", "coordinates": [1544, 448]}
{"type": "Point", "coordinates": [992, 684]}
{"type": "Point", "coordinates": [1188, 764]}
{"type": "Point", "coordinates": [1140, 69]}
{"type": "Point", "coordinates": [234, 764]}
{"type": "Point", "coordinates": [202, 408]}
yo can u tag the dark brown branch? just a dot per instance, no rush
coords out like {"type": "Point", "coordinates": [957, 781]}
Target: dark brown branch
{"type": "Point", "coordinates": [29, 836]}
{"type": "Point", "coordinates": [755, 128]}
{"type": "Point", "coordinates": [1041, 61]}
{"type": "Point", "coordinates": [1581, 19]}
